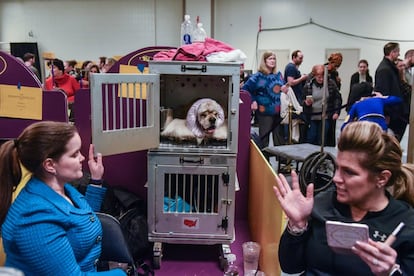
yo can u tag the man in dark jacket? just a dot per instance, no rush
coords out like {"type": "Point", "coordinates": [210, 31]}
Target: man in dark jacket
{"type": "Point", "coordinates": [387, 82]}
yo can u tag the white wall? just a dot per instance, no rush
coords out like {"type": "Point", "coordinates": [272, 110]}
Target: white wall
{"type": "Point", "coordinates": [201, 8]}
{"type": "Point", "coordinates": [87, 29]}
{"type": "Point", "coordinates": [237, 22]}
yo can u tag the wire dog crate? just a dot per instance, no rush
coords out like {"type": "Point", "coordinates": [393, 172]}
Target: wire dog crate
{"type": "Point", "coordinates": [191, 181]}
{"type": "Point", "coordinates": [191, 200]}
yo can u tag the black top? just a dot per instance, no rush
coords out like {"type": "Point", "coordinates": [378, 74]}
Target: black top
{"type": "Point", "coordinates": [387, 82]}
{"type": "Point", "coordinates": [310, 252]}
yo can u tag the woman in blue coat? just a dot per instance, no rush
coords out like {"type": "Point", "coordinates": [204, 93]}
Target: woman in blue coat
{"type": "Point", "coordinates": [51, 229]}
{"type": "Point", "coordinates": [265, 87]}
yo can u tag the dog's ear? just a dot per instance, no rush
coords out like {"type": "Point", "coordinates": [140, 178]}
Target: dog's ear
{"type": "Point", "coordinates": [168, 115]}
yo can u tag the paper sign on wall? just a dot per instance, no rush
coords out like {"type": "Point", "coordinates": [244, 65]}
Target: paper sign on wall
{"type": "Point", "coordinates": [21, 102]}
{"type": "Point", "coordinates": [140, 89]}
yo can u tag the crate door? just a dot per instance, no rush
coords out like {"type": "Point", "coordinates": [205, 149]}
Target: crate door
{"type": "Point", "coordinates": [194, 201]}
{"type": "Point", "coordinates": [125, 115]}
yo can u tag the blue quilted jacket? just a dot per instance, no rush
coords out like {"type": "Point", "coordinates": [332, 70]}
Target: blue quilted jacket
{"type": "Point", "coordinates": [265, 90]}
{"type": "Point", "coordinates": [44, 234]}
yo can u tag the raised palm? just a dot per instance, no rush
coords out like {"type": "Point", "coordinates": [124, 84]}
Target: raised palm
{"type": "Point", "coordinates": [296, 206]}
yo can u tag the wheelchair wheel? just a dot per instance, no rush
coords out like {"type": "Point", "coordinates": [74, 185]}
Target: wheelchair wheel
{"type": "Point", "coordinates": [319, 169]}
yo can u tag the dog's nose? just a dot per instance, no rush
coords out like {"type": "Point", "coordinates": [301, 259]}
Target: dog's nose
{"type": "Point", "coordinates": [212, 120]}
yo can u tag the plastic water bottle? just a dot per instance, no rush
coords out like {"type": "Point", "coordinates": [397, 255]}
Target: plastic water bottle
{"type": "Point", "coordinates": [199, 34]}
{"type": "Point", "coordinates": [187, 30]}
{"type": "Point", "coordinates": [232, 269]}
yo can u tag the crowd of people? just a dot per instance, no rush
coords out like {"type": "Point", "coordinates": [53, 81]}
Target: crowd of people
{"type": "Point", "coordinates": [67, 76]}
{"type": "Point", "coordinates": [319, 109]}
{"type": "Point", "coordinates": [392, 78]}
{"type": "Point", "coordinates": [371, 185]}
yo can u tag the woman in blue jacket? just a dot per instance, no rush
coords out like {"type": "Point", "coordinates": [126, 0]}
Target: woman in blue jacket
{"type": "Point", "coordinates": [371, 109]}
{"type": "Point", "coordinates": [265, 87]}
{"type": "Point", "coordinates": [51, 229]}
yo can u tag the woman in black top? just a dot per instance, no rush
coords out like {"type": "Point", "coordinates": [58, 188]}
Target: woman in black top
{"type": "Point", "coordinates": [372, 187]}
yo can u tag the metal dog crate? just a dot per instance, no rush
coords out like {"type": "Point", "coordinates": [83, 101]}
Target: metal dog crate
{"type": "Point", "coordinates": [181, 84]}
{"type": "Point", "coordinates": [191, 186]}
{"type": "Point", "coordinates": [191, 200]}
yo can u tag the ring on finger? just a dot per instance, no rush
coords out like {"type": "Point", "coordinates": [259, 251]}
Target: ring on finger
{"type": "Point", "coordinates": [374, 261]}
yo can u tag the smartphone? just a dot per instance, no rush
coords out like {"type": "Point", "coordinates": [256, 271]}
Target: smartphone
{"type": "Point", "coordinates": [342, 236]}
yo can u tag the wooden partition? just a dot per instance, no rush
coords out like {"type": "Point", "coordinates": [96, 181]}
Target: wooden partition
{"type": "Point", "coordinates": [266, 218]}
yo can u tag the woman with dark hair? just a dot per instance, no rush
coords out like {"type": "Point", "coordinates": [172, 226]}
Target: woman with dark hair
{"type": "Point", "coordinates": [58, 79]}
{"type": "Point", "coordinates": [94, 69]}
{"type": "Point", "coordinates": [361, 84]}
{"type": "Point", "coordinates": [50, 228]}
{"type": "Point", "coordinates": [372, 187]}
{"type": "Point", "coordinates": [362, 75]}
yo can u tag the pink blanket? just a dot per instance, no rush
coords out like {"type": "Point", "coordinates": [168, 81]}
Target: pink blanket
{"type": "Point", "coordinates": [194, 52]}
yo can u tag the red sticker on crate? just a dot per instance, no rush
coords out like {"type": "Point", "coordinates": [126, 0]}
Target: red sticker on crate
{"type": "Point", "coordinates": [190, 223]}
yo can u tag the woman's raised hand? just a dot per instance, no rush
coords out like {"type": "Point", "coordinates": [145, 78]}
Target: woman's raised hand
{"type": "Point", "coordinates": [296, 206]}
{"type": "Point", "coordinates": [95, 164]}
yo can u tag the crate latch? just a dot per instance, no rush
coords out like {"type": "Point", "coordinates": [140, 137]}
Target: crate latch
{"type": "Point", "coordinates": [226, 179]}
{"type": "Point", "coordinates": [200, 160]}
{"type": "Point", "coordinates": [224, 223]}
{"type": "Point", "coordinates": [226, 201]}
{"type": "Point", "coordinates": [203, 68]}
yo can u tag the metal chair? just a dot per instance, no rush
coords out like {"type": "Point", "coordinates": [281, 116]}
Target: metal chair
{"type": "Point", "coordinates": [115, 249]}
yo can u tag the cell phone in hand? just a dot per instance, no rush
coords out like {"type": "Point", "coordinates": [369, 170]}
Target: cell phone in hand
{"type": "Point", "coordinates": [342, 236]}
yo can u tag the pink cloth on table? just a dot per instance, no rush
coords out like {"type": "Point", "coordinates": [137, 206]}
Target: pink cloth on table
{"type": "Point", "coordinates": [190, 52]}
{"type": "Point", "coordinates": [165, 55]}
{"type": "Point", "coordinates": [195, 51]}
{"type": "Point", "coordinates": [212, 46]}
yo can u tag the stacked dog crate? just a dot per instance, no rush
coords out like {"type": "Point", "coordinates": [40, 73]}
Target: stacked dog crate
{"type": "Point", "coordinates": [192, 179]}
{"type": "Point", "coordinates": [192, 163]}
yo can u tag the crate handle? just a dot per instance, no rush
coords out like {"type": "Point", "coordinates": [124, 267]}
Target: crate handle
{"type": "Point", "coordinates": [190, 68]}
{"type": "Point", "coordinates": [183, 160]}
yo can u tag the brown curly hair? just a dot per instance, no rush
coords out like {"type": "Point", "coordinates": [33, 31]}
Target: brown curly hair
{"type": "Point", "coordinates": [336, 59]}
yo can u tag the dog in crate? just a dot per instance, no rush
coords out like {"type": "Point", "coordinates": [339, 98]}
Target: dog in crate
{"type": "Point", "coordinates": [205, 120]}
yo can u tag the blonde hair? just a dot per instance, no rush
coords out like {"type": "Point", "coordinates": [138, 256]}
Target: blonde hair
{"type": "Point", "coordinates": [263, 67]}
{"type": "Point", "coordinates": [382, 151]}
